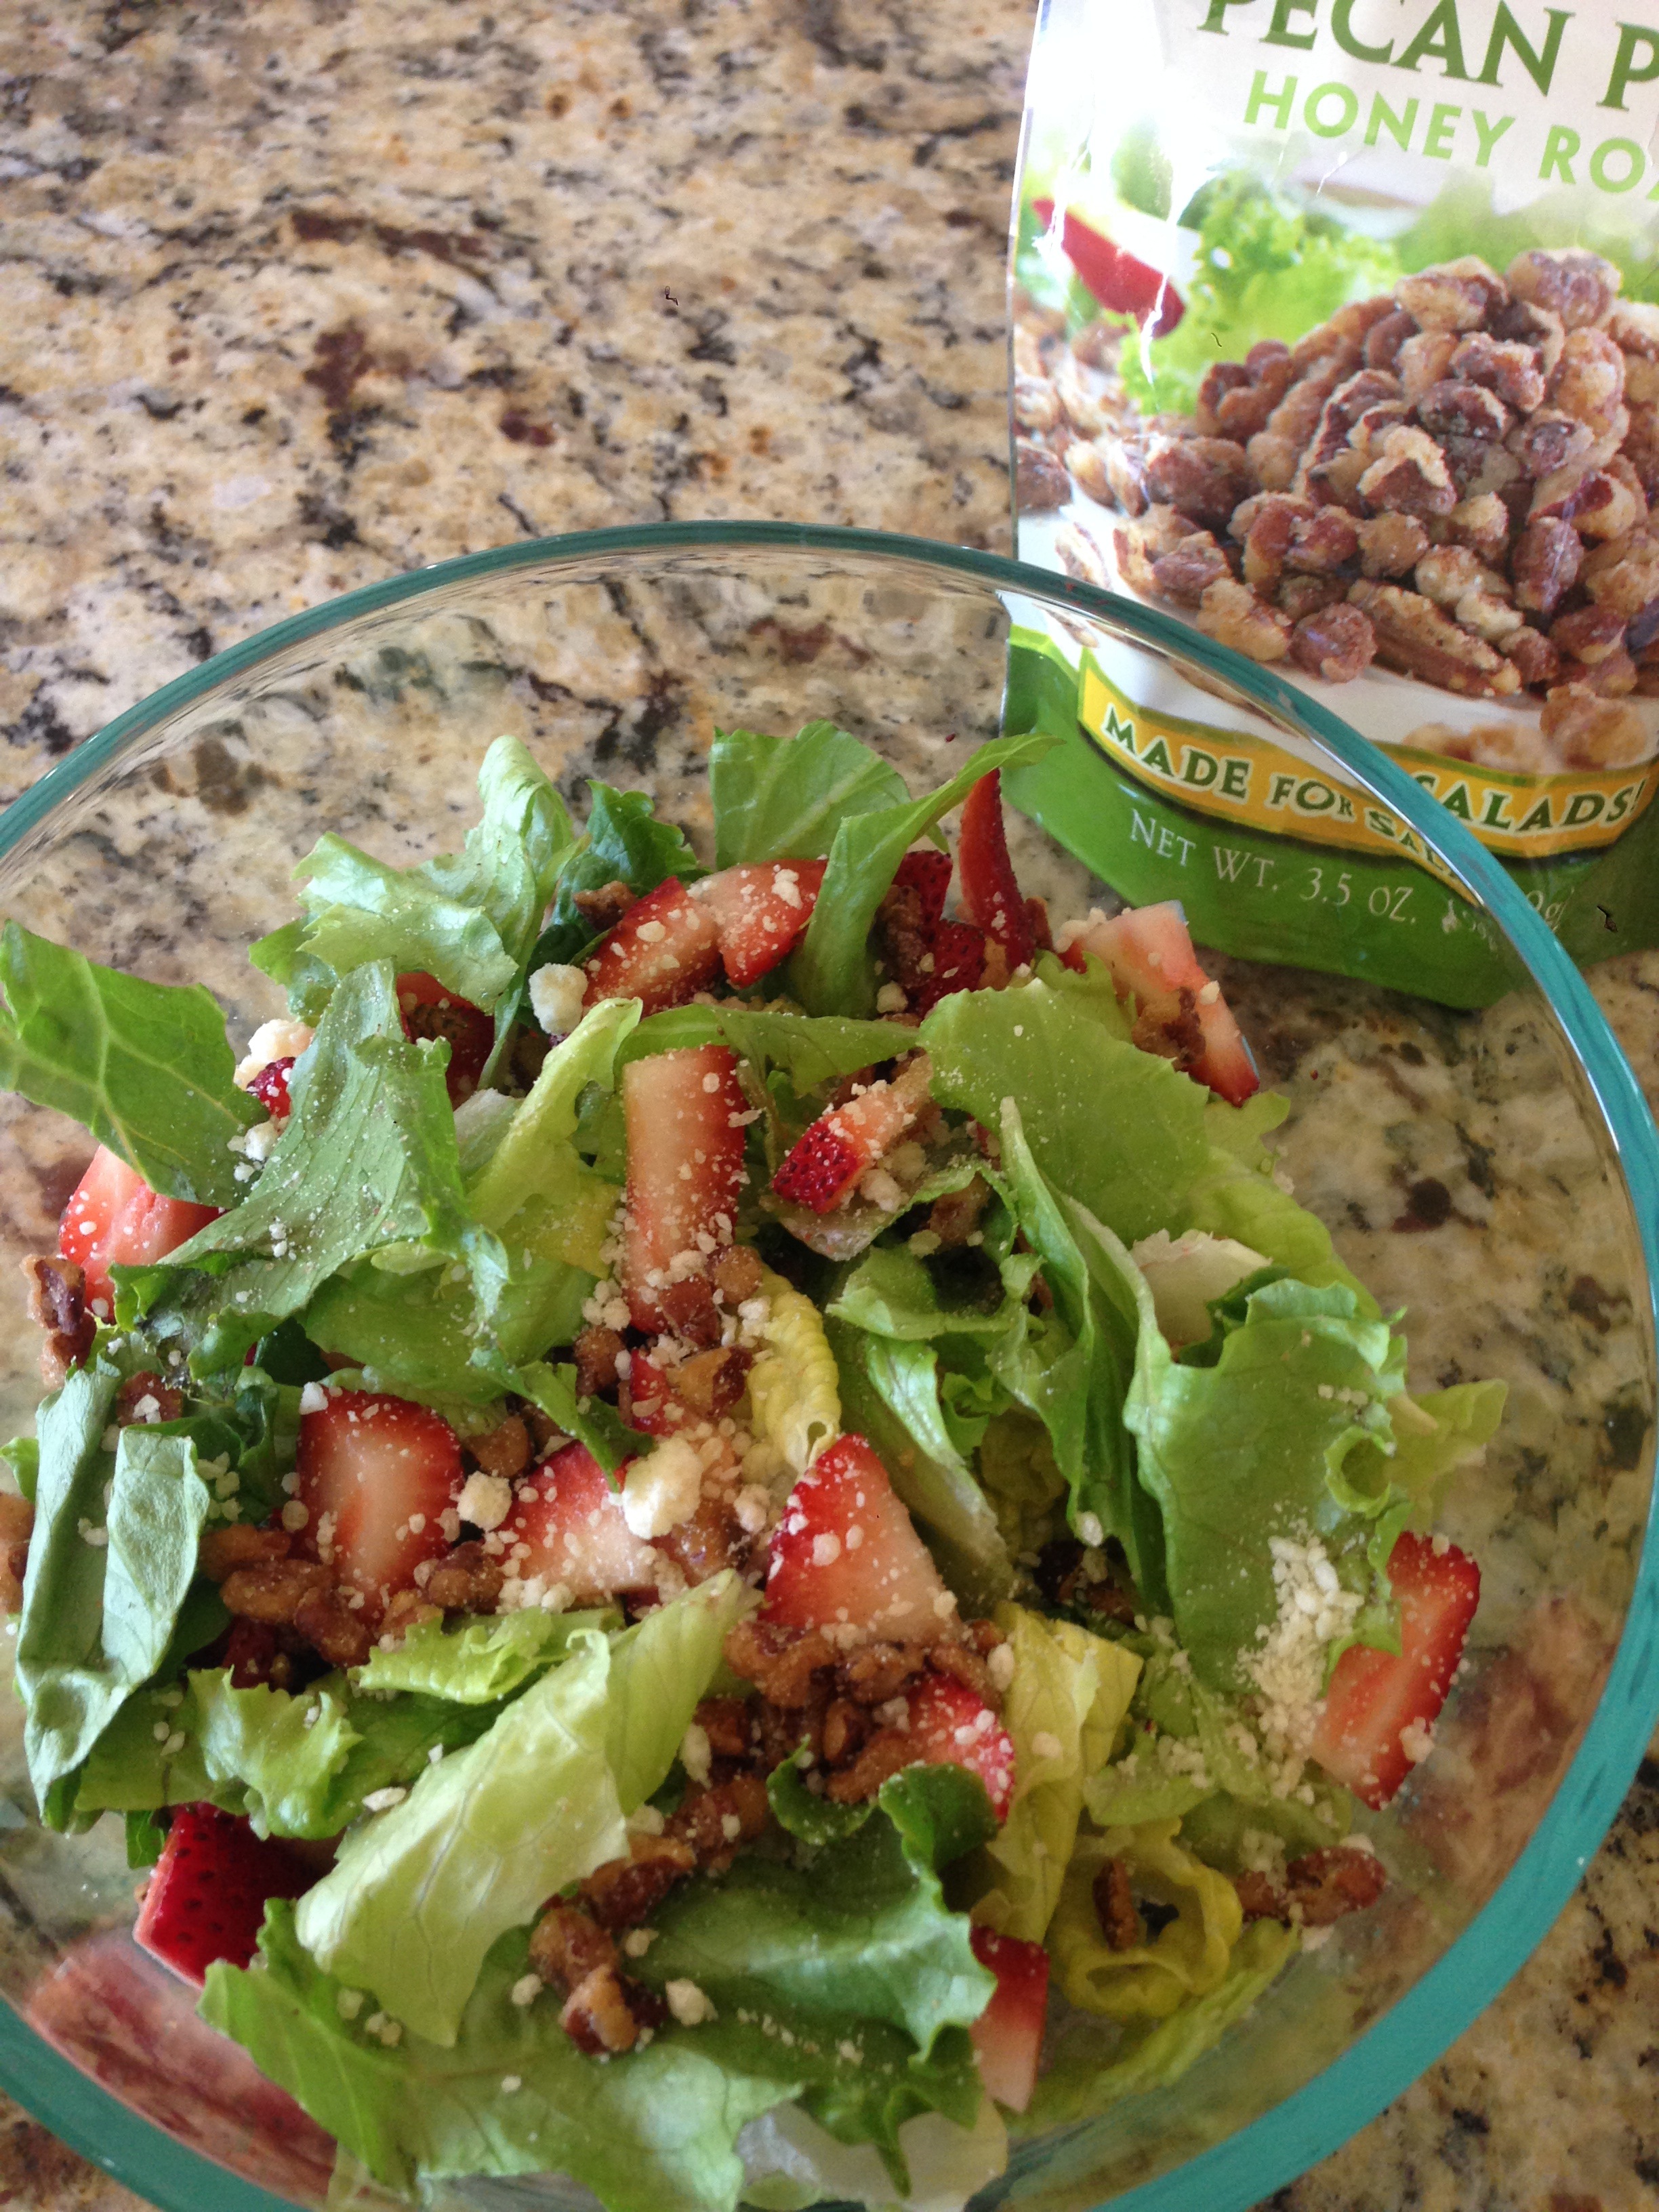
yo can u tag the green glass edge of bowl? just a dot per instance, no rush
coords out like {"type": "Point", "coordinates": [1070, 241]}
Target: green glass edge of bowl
{"type": "Point", "coordinates": [1413, 2034]}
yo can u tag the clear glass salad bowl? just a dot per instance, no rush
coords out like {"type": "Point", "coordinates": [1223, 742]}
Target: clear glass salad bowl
{"type": "Point", "coordinates": [164, 845]}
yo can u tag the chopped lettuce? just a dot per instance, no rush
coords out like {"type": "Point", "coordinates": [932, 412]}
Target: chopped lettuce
{"type": "Point", "coordinates": [366, 1159]}
{"type": "Point", "coordinates": [144, 1067]}
{"type": "Point", "coordinates": [1187, 1958]}
{"type": "Point", "coordinates": [624, 841]}
{"type": "Point", "coordinates": [780, 799]}
{"type": "Point", "coordinates": [484, 1659]}
{"type": "Point", "coordinates": [1064, 1707]}
{"type": "Point", "coordinates": [507, 2092]}
{"type": "Point", "coordinates": [811, 1050]}
{"type": "Point", "coordinates": [418, 1895]}
{"type": "Point", "coordinates": [794, 1387]}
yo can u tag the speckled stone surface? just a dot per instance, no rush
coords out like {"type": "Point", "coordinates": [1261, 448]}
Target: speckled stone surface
{"type": "Point", "coordinates": [298, 296]}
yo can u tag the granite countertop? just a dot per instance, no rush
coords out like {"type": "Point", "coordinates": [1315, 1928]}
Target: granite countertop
{"type": "Point", "coordinates": [300, 296]}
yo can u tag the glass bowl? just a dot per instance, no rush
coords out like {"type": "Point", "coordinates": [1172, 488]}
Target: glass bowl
{"type": "Point", "coordinates": [164, 846]}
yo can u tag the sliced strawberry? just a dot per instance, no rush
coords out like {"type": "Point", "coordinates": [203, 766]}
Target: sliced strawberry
{"type": "Point", "coordinates": [572, 1520]}
{"type": "Point", "coordinates": [651, 1407]}
{"type": "Point", "coordinates": [431, 1011]}
{"type": "Point", "coordinates": [1179, 1009]}
{"type": "Point", "coordinates": [377, 1474]}
{"type": "Point", "coordinates": [759, 910]}
{"type": "Point", "coordinates": [951, 1725]}
{"type": "Point", "coordinates": [958, 957]}
{"type": "Point", "coordinates": [687, 1118]}
{"type": "Point", "coordinates": [992, 899]}
{"type": "Point", "coordinates": [1377, 1697]}
{"type": "Point", "coordinates": [114, 1219]}
{"type": "Point", "coordinates": [270, 1087]}
{"type": "Point", "coordinates": [1008, 2033]}
{"type": "Point", "coordinates": [927, 871]}
{"type": "Point", "coordinates": [829, 1157]}
{"type": "Point", "coordinates": [845, 1552]}
{"type": "Point", "coordinates": [664, 950]}
{"type": "Point", "coordinates": [207, 1896]}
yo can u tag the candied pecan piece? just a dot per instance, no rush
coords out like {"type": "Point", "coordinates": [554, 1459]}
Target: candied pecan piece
{"type": "Point", "coordinates": [1370, 429]}
{"type": "Point", "coordinates": [1260, 1898]}
{"type": "Point", "coordinates": [1533, 655]}
{"type": "Point", "coordinates": [1414, 636]}
{"type": "Point", "coordinates": [1597, 503]}
{"type": "Point", "coordinates": [1232, 613]}
{"type": "Point", "coordinates": [602, 909]}
{"type": "Point", "coordinates": [1262, 524]}
{"type": "Point", "coordinates": [1454, 295]}
{"type": "Point", "coordinates": [1422, 362]}
{"type": "Point", "coordinates": [1336, 643]}
{"type": "Point", "coordinates": [1589, 383]}
{"type": "Point", "coordinates": [1245, 410]}
{"type": "Point", "coordinates": [1386, 336]}
{"type": "Point", "coordinates": [1269, 363]}
{"type": "Point", "coordinates": [16, 1526]}
{"type": "Point", "coordinates": [1217, 381]}
{"type": "Point", "coordinates": [622, 1893]}
{"type": "Point", "coordinates": [1633, 326]}
{"type": "Point", "coordinates": [504, 1449]}
{"type": "Point", "coordinates": [845, 1728]}
{"type": "Point", "coordinates": [1355, 397]}
{"type": "Point", "coordinates": [1098, 344]}
{"type": "Point", "coordinates": [1389, 544]}
{"type": "Point", "coordinates": [466, 1580]}
{"type": "Point", "coordinates": [572, 1952]}
{"type": "Point", "coordinates": [1138, 545]}
{"type": "Point", "coordinates": [1409, 475]}
{"type": "Point", "coordinates": [1040, 481]}
{"type": "Point", "coordinates": [145, 1398]}
{"type": "Point", "coordinates": [1273, 457]}
{"type": "Point", "coordinates": [1446, 572]}
{"type": "Point", "coordinates": [1591, 633]}
{"type": "Point", "coordinates": [1489, 612]}
{"type": "Point", "coordinates": [1509, 370]}
{"type": "Point", "coordinates": [1300, 596]}
{"type": "Point", "coordinates": [955, 1217]}
{"type": "Point", "coordinates": [728, 1725]}
{"type": "Point", "coordinates": [780, 1661]}
{"type": "Point", "coordinates": [689, 1308]}
{"type": "Point", "coordinates": [57, 1303]}
{"type": "Point", "coordinates": [1359, 317]}
{"type": "Point", "coordinates": [964, 1664]}
{"type": "Point", "coordinates": [1324, 1885]}
{"type": "Point", "coordinates": [596, 1352]}
{"type": "Point", "coordinates": [1329, 348]}
{"type": "Point", "coordinates": [708, 1542]}
{"type": "Point", "coordinates": [1625, 578]}
{"type": "Point", "coordinates": [1590, 731]}
{"type": "Point", "coordinates": [1037, 404]}
{"type": "Point", "coordinates": [567, 1943]}
{"type": "Point", "coordinates": [221, 1552]}
{"type": "Point", "coordinates": [713, 1822]}
{"type": "Point", "coordinates": [1114, 1906]}
{"type": "Point", "coordinates": [330, 1627]}
{"type": "Point", "coordinates": [711, 1382]}
{"type": "Point", "coordinates": [1452, 408]}
{"type": "Point", "coordinates": [1086, 464]}
{"type": "Point", "coordinates": [877, 1672]}
{"type": "Point", "coordinates": [596, 2015]}
{"type": "Point", "coordinates": [1203, 478]}
{"type": "Point", "coordinates": [406, 1609]}
{"type": "Point", "coordinates": [889, 1752]}
{"type": "Point", "coordinates": [1298, 412]}
{"type": "Point", "coordinates": [1549, 441]}
{"type": "Point", "coordinates": [1576, 286]}
{"type": "Point", "coordinates": [1187, 574]}
{"type": "Point", "coordinates": [1612, 678]}
{"type": "Point", "coordinates": [735, 1272]}
{"type": "Point", "coordinates": [1321, 542]}
{"type": "Point", "coordinates": [274, 1591]}
{"type": "Point", "coordinates": [1544, 565]}
{"type": "Point", "coordinates": [1125, 462]}
{"type": "Point", "coordinates": [1482, 524]}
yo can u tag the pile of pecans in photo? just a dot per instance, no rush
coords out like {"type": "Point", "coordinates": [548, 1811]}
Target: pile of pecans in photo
{"type": "Point", "coordinates": [1451, 480]}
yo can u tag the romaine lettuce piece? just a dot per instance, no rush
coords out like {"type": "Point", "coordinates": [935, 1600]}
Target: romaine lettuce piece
{"type": "Point", "coordinates": [793, 1388]}
{"type": "Point", "coordinates": [782, 799]}
{"type": "Point", "coordinates": [1187, 1958]}
{"type": "Point", "coordinates": [483, 1659]}
{"type": "Point", "coordinates": [144, 1067]}
{"type": "Point", "coordinates": [811, 1050]}
{"type": "Point", "coordinates": [624, 840]}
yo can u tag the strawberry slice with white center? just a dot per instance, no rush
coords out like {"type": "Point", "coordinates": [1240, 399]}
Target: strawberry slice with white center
{"type": "Point", "coordinates": [1380, 1705]}
{"type": "Point", "coordinates": [686, 1118]}
{"type": "Point", "coordinates": [664, 950]}
{"type": "Point", "coordinates": [1180, 1011]}
{"type": "Point", "coordinates": [1008, 2033]}
{"type": "Point", "coordinates": [377, 1474]}
{"type": "Point", "coordinates": [759, 909]}
{"type": "Point", "coordinates": [571, 1521]}
{"type": "Point", "coordinates": [115, 1219]}
{"type": "Point", "coordinates": [846, 1553]}
{"type": "Point", "coordinates": [827, 1160]}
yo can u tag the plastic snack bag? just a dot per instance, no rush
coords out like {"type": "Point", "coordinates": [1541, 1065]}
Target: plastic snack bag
{"type": "Point", "coordinates": [1336, 335]}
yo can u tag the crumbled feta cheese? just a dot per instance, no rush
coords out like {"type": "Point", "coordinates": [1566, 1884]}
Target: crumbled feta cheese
{"type": "Point", "coordinates": [638, 1941]}
{"type": "Point", "coordinates": [688, 2003]}
{"type": "Point", "coordinates": [349, 2003]}
{"type": "Point", "coordinates": [645, 1821]}
{"type": "Point", "coordinates": [382, 1800]}
{"type": "Point", "coordinates": [662, 1489]}
{"type": "Point", "coordinates": [556, 997]}
{"type": "Point", "coordinates": [695, 1753]}
{"type": "Point", "coordinates": [882, 1189]}
{"type": "Point", "coordinates": [890, 1000]}
{"type": "Point", "coordinates": [294, 1516]}
{"type": "Point", "coordinates": [1044, 1746]}
{"type": "Point", "coordinates": [1417, 1742]}
{"type": "Point", "coordinates": [485, 1499]}
{"type": "Point", "coordinates": [314, 1399]}
{"type": "Point", "coordinates": [925, 1243]}
{"type": "Point", "coordinates": [281, 1039]}
{"type": "Point", "coordinates": [826, 1549]}
{"type": "Point", "coordinates": [1288, 1666]}
{"type": "Point", "coordinates": [1090, 1529]}
{"type": "Point", "coordinates": [511, 2083]}
{"type": "Point", "coordinates": [527, 1990]}
{"type": "Point", "coordinates": [1000, 1666]}
{"type": "Point", "coordinates": [96, 1537]}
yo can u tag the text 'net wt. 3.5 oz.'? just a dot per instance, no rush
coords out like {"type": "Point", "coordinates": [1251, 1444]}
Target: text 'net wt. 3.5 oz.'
{"type": "Point", "coordinates": [1336, 335]}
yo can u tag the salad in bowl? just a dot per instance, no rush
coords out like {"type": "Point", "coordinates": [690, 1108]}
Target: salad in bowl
{"type": "Point", "coordinates": [718, 1529]}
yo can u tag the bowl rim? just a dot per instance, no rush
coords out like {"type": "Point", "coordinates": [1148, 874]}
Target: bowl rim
{"type": "Point", "coordinates": [1417, 2027]}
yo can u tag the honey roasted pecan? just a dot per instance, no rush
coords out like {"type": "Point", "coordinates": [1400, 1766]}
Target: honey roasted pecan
{"type": "Point", "coordinates": [1455, 295]}
{"type": "Point", "coordinates": [1114, 1906]}
{"type": "Point", "coordinates": [1545, 564]}
{"type": "Point", "coordinates": [1385, 337]}
{"type": "Point", "coordinates": [1591, 731]}
{"type": "Point", "coordinates": [1203, 478]}
{"type": "Point", "coordinates": [1510, 370]}
{"type": "Point", "coordinates": [1533, 655]}
{"type": "Point", "coordinates": [1336, 643]}
{"type": "Point", "coordinates": [1409, 475]}
{"type": "Point", "coordinates": [1040, 480]}
{"type": "Point", "coordinates": [1232, 613]}
{"type": "Point", "coordinates": [1416, 637]}
{"type": "Point", "coordinates": [1390, 544]}
{"type": "Point", "coordinates": [1456, 409]}
{"type": "Point", "coordinates": [1590, 634]}
{"type": "Point", "coordinates": [1578, 287]}
{"type": "Point", "coordinates": [1186, 573]}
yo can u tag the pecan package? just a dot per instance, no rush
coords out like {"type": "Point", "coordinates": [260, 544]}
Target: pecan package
{"type": "Point", "coordinates": [1362, 383]}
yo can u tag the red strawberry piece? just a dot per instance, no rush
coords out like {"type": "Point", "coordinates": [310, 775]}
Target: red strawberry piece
{"type": "Point", "coordinates": [959, 956]}
{"type": "Point", "coordinates": [1149, 951]}
{"type": "Point", "coordinates": [207, 1895]}
{"type": "Point", "coordinates": [377, 1474]}
{"type": "Point", "coordinates": [927, 871]}
{"type": "Point", "coordinates": [951, 1725]}
{"type": "Point", "coordinates": [572, 1520]}
{"type": "Point", "coordinates": [270, 1087]}
{"type": "Point", "coordinates": [114, 1219]}
{"type": "Point", "coordinates": [664, 950]}
{"type": "Point", "coordinates": [1008, 2033]}
{"type": "Point", "coordinates": [687, 1120]}
{"type": "Point", "coordinates": [430, 1010]}
{"type": "Point", "coordinates": [759, 909]}
{"type": "Point", "coordinates": [992, 897]}
{"type": "Point", "coordinates": [846, 1552]}
{"type": "Point", "coordinates": [651, 1407]}
{"type": "Point", "coordinates": [1379, 1701]}
{"type": "Point", "coordinates": [1121, 283]}
{"type": "Point", "coordinates": [829, 1157]}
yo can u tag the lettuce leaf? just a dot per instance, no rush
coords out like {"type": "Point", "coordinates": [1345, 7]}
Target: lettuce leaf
{"type": "Point", "coordinates": [811, 1050]}
{"type": "Point", "coordinates": [507, 2092]}
{"type": "Point", "coordinates": [1120, 1130]}
{"type": "Point", "coordinates": [481, 1661]}
{"type": "Point", "coordinates": [417, 1896]}
{"type": "Point", "coordinates": [794, 1385]}
{"type": "Point", "coordinates": [112, 1557]}
{"type": "Point", "coordinates": [1064, 1707]}
{"type": "Point", "coordinates": [1187, 1958]}
{"type": "Point", "coordinates": [623, 842]}
{"type": "Point", "coordinates": [145, 1067]}
{"type": "Point", "coordinates": [368, 1159]}
{"type": "Point", "coordinates": [778, 799]}
{"type": "Point", "coordinates": [791, 2163]}
{"type": "Point", "coordinates": [830, 971]}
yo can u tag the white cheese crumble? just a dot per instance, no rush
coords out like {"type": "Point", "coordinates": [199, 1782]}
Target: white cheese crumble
{"type": "Point", "coordinates": [695, 1753]}
{"type": "Point", "coordinates": [688, 2003]}
{"type": "Point", "coordinates": [662, 1489]}
{"type": "Point", "coordinates": [349, 2003]}
{"type": "Point", "coordinates": [485, 1499]}
{"type": "Point", "coordinates": [556, 997]}
{"type": "Point", "coordinates": [314, 1399]}
{"type": "Point", "coordinates": [1000, 1666]}
{"type": "Point", "coordinates": [1288, 1668]}
{"type": "Point", "coordinates": [279, 1040]}
{"type": "Point", "coordinates": [1417, 1740]}
{"type": "Point", "coordinates": [382, 1800]}
{"type": "Point", "coordinates": [527, 1990]}
{"type": "Point", "coordinates": [890, 1000]}
{"type": "Point", "coordinates": [638, 1941]}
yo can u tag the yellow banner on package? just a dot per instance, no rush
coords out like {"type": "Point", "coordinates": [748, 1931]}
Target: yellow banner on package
{"type": "Point", "coordinates": [1247, 779]}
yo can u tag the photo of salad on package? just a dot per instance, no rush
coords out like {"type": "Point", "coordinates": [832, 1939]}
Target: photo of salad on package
{"type": "Point", "coordinates": [717, 1527]}
{"type": "Point", "coordinates": [1336, 335]}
